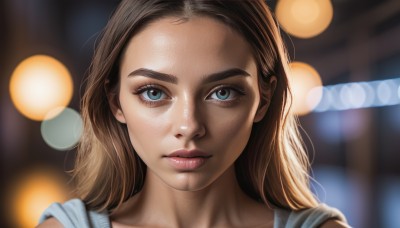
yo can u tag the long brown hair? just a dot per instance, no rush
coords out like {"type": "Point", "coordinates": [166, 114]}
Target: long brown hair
{"type": "Point", "coordinates": [273, 168]}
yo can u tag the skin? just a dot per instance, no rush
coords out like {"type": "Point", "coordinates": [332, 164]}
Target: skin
{"type": "Point", "coordinates": [188, 113]}
{"type": "Point", "coordinates": [192, 111]}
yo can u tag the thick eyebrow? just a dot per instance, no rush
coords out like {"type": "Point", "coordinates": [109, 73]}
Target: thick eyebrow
{"type": "Point", "coordinates": [173, 79]}
{"type": "Point", "coordinates": [154, 74]}
{"type": "Point", "coordinates": [225, 74]}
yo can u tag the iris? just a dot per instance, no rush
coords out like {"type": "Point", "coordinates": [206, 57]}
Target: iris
{"type": "Point", "coordinates": [154, 94]}
{"type": "Point", "coordinates": [223, 94]}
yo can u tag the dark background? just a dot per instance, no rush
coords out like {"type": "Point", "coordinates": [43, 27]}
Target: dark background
{"type": "Point", "coordinates": [356, 152]}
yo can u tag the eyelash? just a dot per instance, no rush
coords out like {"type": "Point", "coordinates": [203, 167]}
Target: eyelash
{"type": "Point", "coordinates": [236, 89]}
{"type": "Point", "coordinates": [142, 89]}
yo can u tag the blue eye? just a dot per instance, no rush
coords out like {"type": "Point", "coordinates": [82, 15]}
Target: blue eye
{"type": "Point", "coordinates": [153, 94]}
{"type": "Point", "coordinates": [223, 94]}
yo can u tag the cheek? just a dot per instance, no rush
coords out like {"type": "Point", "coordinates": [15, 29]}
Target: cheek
{"type": "Point", "coordinates": [145, 129]}
{"type": "Point", "coordinates": [234, 122]}
{"type": "Point", "coordinates": [233, 128]}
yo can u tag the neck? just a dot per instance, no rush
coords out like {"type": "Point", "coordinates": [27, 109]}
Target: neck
{"type": "Point", "coordinates": [219, 204]}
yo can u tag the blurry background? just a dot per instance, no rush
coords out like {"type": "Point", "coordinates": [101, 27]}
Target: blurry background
{"type": "Point", "coordinates": [352, 47]}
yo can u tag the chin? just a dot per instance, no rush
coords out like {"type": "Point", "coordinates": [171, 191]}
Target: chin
{"type": "Point", "coordinates": [189, 182]}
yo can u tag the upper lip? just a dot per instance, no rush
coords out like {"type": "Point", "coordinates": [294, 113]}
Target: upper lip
{"type": "Point", "coordinates": [189, 154]}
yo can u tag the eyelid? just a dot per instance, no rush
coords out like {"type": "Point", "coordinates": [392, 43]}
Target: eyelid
{"type": "Point", "coordinates": [141, 89]}
{"type": "Point", "coordinates": [151, 103]}
{"type": "Point", "coordinates": [241, 91]}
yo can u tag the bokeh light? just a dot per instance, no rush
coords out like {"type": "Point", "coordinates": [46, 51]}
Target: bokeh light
{"type": "Point", "coordinates": [324, 103]}
{"type": "Point", "coordinates": [386, 92]}
{"type": "Point", "coordinates": [398, 91]}
{"type": "Point", "coordinates": [335, 101]}
{"type": "Point", "coordinates": [359, 95]}
{"type": "Point", "coordinates": [39, 84]}
{"type": "Point", "coordinates": [304, 18]}
{"type": "Point", "coordinates": [63, 131]}
{"type": "Point", "coordinates": [353, 95]}
{"type": "Point", "coordinates": [306, 86]}
{"type": "Point", "coordinates": [370, 95]}
{"type": "Point", "coordinates": [32, 194]}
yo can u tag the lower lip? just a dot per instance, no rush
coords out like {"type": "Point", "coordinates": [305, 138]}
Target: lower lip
{"type": "Point", "coordinates": [181, 163]}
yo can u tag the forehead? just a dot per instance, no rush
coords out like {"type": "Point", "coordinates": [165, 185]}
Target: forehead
{"type": "Point", "coordinates": [198, 44]}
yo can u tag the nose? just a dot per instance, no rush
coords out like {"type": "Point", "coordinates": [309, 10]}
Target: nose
{"type": "Point", "coordinates": [188, 120]}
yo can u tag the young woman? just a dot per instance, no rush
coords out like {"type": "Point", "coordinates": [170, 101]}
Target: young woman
{"type": "Point", "coordinates": [188, 124]}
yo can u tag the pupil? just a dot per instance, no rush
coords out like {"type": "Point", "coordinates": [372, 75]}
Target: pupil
{"type": "Point", "coordinates": [223, 94]}
{"type": "Point", "coordinates": [154, 92]}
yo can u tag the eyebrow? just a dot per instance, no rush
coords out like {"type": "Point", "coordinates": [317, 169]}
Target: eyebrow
{"type": "Point", "coordinates": [154, 74]}
{"type": "Point", "coordinates": [225, 74]}
{"type": "Point", "coordinates": [173, 79]}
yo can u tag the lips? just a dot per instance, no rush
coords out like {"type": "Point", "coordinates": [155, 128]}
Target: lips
{"type": "Point", "coordinates": [189, 154]}
{"type": "Point", "coordinates": [185, 160]}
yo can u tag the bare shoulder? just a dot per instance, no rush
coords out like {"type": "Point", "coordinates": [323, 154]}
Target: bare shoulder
{"type": "Point", "coordinates": [50, 223]}
{"type": "Point", "coordinates": [334, 224]}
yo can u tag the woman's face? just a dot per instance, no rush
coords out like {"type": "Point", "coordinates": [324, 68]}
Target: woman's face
{"type": "Point", "coordinates": [189, 97]}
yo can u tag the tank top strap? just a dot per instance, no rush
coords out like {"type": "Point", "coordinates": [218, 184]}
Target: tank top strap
{"type": "Point", "coordinates": [73, 213]}
{"type": "Point", "coordinates": [307, 218]}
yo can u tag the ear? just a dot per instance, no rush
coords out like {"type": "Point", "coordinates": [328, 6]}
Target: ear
{"type": "Point", "coordinates": [115, 106]}
{"type": "Point", "coordinates": [265, 99]}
